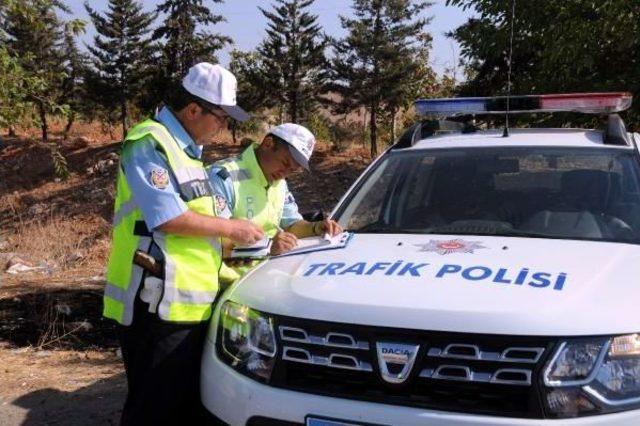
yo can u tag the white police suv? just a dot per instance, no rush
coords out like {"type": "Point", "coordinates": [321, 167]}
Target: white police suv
{"type": "Point", "coordinates": [491, 279]}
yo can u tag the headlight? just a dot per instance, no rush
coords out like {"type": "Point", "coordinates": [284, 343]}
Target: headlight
{"type": "Point", "coordinates": [594, 376]}
{"type": "Point", "coordinates": [246, 340]}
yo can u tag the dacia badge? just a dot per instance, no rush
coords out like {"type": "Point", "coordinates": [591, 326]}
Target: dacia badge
{"type": "Point", "coordinates": [396, 360]}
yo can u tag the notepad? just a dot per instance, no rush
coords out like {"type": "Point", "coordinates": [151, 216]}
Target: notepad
{"type": "Point", "coordinates": [327, 242]}
{"type": "Point", "coordinates": [257, 250]}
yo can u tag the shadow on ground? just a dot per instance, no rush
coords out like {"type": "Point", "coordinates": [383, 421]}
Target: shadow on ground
{"type": "Point", "coordinates": [97, 404]}
{"type": "Point", "coordinates": [58, 319]}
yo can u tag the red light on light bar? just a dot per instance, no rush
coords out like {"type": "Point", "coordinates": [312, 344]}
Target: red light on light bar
{"type": "Point", "coordinates": [587, 102]}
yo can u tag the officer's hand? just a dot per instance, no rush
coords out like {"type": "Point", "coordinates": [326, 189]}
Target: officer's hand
{"type": "Point", "coordinates": [235, 262]}
{"type": "Point", "coordinates": [328, 226]}
{"type": "Point", "coordinates": [283, 242]}
{"type": "Point", "coordinates": [244, 232]}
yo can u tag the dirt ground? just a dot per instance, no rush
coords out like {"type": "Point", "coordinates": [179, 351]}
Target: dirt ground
{"type": "Point", "coordinates": [59, 360]}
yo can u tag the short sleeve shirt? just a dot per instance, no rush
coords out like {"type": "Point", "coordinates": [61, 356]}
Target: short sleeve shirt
{"type": "Point", "coordinates": [223, 187]}
{"type": "Point", "coordinates": [147, 171]}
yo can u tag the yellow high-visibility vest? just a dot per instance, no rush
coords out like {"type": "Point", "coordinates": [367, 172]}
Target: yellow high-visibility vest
{"type": "Point", "coordinates": [263, 205]}
{"type": "Point", "coordinates": [191, 264]}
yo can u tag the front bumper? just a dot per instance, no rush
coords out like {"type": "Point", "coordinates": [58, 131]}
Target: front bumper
{"type": "Point", "coordinates": [235, 399]}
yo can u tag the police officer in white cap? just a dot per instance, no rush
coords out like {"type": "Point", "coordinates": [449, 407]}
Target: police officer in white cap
{"type": "Point", "coordinates": [253, 186]}
{"type": "Point", "coordinates": [162, 273]}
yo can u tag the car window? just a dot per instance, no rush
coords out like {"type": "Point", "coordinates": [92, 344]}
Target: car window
{"type": "Point", "coordinates": [575, 193]}
{"type": "Point", "coordinates": [366, 206]}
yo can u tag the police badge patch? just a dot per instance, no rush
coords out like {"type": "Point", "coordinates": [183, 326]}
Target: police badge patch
{"type": "Point", "coordinates": [451, 246]}
{"type": "Point", "coordinates": [160, 178]}
{"type": "Point", "coordinates": [220, 203]}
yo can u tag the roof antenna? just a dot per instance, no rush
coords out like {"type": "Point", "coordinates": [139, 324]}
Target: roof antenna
{"type": "Point", "coordinates": [505, 134]}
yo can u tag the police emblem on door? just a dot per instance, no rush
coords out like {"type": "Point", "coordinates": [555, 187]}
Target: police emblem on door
{"type": "Point", "coordinates": [396, 360]}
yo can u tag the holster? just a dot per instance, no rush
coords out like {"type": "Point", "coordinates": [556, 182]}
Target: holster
{"type": "Point", "coordinates": [149, 263]}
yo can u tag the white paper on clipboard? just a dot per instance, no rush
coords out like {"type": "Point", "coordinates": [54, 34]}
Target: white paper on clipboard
{"type": "Point", "coordinates": [257, 250]}
{"type": "Point", "coordinates": [327, 242]}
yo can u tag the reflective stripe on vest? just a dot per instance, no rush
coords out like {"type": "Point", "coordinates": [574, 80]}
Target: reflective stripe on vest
{"type": "Point", "coordinates": [127, 296]}
{"type": "Point", "coordinates": [239, 175]}
{"type": "Point", "coordinates": [263, 206]}
{"type": "Point", "coordinates": [191, 263]}
{"type": "Point", "coordinates": [193, 181]}
{"type": "Point", "coordinates": [125, 210]}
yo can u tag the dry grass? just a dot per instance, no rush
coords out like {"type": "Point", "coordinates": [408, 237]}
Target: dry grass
{"type": "Point", "coordinates": [62, 244]}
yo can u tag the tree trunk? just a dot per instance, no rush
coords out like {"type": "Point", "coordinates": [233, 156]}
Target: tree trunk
{"type": "Point", "coordinates": [293, 107]}
{"type": "Point", "coordinates": [67, 128]}
{"type": "Point", "coordinates": [12, 131]}
{"type": "Point", "coordinates": [364, 127]}
{"type": "Point", "coordinates": [234, 129]}
{"type": "Point", "coordinates": [123, 109]}
{"type": "Point", "coordinates": [43, 120]}
{"type": "Point", "coordinates": [373, 130]}
{"type": "Point", "coordinates": [394, 112]}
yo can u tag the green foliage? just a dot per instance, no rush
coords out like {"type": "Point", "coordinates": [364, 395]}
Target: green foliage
{"type": "Point", "coordinates": [291, 57]}
{"type": "Point", "coordinates": [121, 55]}
{"type": "Point", "coordinates": [184, 42]}
{"type": "Point", "coordinates": [35, 37]}
{"type": "Point", "coordinates": [339, 135]}
{"type": "Point", "coordinates": [559, 46]}
{"type": "Point", "coordinates": [253, 126]}
{"type": "Point", "coordinates": [344, 134]}
{"type": "Point", "coordinates": [247, 67]}
{"type": "Point", "coordinates": [74, 91]}
{"type": "Point", "coordinates": [60, 165]}
{"type": "Point", "coordinates": [320, 126]}
{"type": "Point", "coordinates": [16, 87]}
{"type": "Point", "coordinates": [380, 63]}
{"type": "Point", "coordinates": [445, 87]}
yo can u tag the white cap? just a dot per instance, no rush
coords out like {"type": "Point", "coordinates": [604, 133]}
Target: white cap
{"type": "Point", "coordinates": [215, 85]}
{"type": "Point", "coordinates": [301, 141]}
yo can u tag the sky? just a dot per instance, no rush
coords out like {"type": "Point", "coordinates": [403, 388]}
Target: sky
{"type": "Point", "coordinates": [246, 24]}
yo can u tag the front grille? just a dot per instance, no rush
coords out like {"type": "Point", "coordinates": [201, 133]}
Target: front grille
{"type": "Point", "coordinates": [483, 374]}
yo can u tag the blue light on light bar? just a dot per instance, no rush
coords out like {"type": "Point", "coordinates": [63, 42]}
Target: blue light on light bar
{"type": "Point", "coordinates": [451, 106]}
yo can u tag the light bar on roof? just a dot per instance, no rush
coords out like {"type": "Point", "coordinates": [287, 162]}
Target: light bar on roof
{"type": "Point", "coordinates": [589, 103]}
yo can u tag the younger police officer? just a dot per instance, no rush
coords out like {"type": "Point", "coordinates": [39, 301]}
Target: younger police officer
{"type": "Point", "coordinates": [162, 276]}
{"type": "Point", "coordinates": [253, 186]}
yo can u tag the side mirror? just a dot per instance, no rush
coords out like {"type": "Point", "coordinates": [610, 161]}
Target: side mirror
{"type": "Point", "coordinates": [314, 216]}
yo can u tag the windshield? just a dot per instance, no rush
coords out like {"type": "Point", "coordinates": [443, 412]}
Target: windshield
{"type": "Point", "coordinates": [572, 193]}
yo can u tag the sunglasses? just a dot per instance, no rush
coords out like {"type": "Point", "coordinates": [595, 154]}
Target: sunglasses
{"type": "Point", "coordinates": [213, 112]}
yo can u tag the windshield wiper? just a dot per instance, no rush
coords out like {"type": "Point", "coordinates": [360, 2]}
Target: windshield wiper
{"type": "Point", "coordinates": [500, 233]}
{"type": "Point", "coordinates": [379, 228]}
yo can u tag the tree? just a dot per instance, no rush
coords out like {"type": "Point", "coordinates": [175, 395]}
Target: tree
{"type": "Point", "coordinates": [292, 56]}
{"type": "Point", "coordinates": [418, 81]}
{"type": "Point", "coordinates": [121, 54]}
{"type": "Point", "coordinates": [252, 95]}
{"type": "Point", "coordinates": [379, 57]}
{"type": "Point", "coordinates": [184, 45]}
{"type": "Point", "coordinates": [16, 88]}
{"type": "Point", "coordinates": [73, 93]}
{"type": "Point", "coordinates": [34, 35]}
{"type": "Point", "coordinates": [247, 68]}
{"type": "Point", "coordinates": [558, 46]}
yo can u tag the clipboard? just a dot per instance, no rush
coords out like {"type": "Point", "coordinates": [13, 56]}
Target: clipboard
{"type": "Point", "coordinates": [258, 250]}
{"type": "Point", "coordinates": [312, 244]}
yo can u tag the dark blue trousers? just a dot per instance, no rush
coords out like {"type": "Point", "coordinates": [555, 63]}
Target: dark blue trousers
{"type": "Point", "coordinates": [162, 363]}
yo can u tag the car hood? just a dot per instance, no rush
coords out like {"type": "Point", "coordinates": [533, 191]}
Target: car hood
{"type": "Point", "coordinates": [475, 284]}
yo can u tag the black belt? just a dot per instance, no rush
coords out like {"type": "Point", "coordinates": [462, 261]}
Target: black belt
{"type": "Point", "coordinates": [140, 229]}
